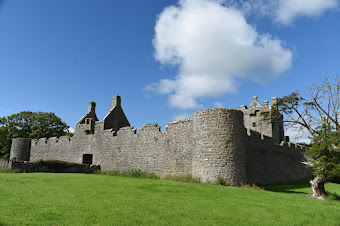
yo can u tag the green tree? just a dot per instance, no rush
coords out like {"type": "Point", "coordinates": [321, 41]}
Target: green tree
{"type": "Point", "coordinates": [317, 112]}
{"type": "Point", "coordinates": [27, 124]}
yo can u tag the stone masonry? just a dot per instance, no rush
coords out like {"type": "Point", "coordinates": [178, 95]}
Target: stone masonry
{"type": "Point", "coordinates": [4, 163]}
{"type": "Point", "coordinates": [242, 146]}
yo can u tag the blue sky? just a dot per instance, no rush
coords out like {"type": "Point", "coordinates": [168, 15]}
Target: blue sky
{"type": "Point", "coordinates": [165, 58]}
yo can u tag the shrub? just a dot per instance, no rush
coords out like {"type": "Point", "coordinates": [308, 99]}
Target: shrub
{"type": "Point", "coordinates": [53, 166]}
{"type": "Point", "coordinates": [221, 181]}
{"type": "Point", "coordinates": [335, 175]}
{"type": "Point", "coordinates": [56, 164]}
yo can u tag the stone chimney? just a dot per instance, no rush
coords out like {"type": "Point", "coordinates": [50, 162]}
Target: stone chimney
{"type": "Point", "coordinates": [92, 107]}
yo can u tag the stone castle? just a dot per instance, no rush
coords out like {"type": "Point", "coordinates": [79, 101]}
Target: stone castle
{"type": "Point", "coordinates": [243, 146]}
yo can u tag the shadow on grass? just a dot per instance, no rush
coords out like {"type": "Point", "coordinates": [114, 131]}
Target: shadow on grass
{"type": "Point", "coordinates": [303, 187]}
{"type": "Point", "coordinates": [299, 188]}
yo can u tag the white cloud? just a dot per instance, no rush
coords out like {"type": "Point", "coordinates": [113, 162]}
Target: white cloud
{"type": "Point", "coordinates": [287, 11]}
{"type": "Point", "coordinates": [71, 130]}
{"type": "Point", "coordinates": [213, 46]}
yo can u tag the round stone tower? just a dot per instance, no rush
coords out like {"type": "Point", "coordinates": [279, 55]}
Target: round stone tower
{"type": "Point", "coordinates": [20, 149]}
{"type": "Point", "coordinates": [220, 138]}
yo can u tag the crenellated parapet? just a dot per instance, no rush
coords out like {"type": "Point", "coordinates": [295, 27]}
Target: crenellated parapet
{"type": "Point", "coordinates": [127, 131]}
{"type": "Point", "coordinates": [269, 140]}
{"type": "Point", "coordinates": [150, 129]}
{"type": "Point", "coordinates": [259, 117]}
{"type": "Point", "coordinates": [51, 140]}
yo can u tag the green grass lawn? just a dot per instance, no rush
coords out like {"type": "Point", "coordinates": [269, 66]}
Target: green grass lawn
{"type": "Point", "coordinates": [81, 199]}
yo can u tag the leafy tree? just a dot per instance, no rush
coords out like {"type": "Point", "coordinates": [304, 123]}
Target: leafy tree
{"type": "Point", "coordinates": [27, 124]}
{"type": "Point", "coordinates": [317, 112]}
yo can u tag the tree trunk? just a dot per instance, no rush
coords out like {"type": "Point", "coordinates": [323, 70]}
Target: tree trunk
{"type": "Point", "coordinates": [318, 187]}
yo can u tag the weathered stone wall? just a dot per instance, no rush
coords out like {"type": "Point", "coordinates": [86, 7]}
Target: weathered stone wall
{"type": "Point", "coordinates": [210, 144]}
{"type": "Point", "coordinates": [259, 118]}
{"type": "Point", "coordinates": [52, 148]}
{"type": "Point", "coordinates": [219, 148]}
{"type": "Point", "coordinates": [20, 149]}
{"type": "Point", "coordinates": [165, 153]}
{"type": "Point", "coordinates": [213, 143]}
{"type": "Point", "coordinates": [4, 163]}
{"type": "Point", "coordinates": [269, 163]}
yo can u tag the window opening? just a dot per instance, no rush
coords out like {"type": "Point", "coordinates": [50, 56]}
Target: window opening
{"type": "Point", "coordinates": [87, 159]}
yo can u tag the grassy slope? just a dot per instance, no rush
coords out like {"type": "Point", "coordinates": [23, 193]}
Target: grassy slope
{"type": "Point", "coordinates": [79, 199]}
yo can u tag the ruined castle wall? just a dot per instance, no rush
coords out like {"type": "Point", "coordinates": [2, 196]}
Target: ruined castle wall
{"type": "Point", "coordinates": [164, 153]}
{"type": "Point", "coordinates": [213, 143]}
{"type": "Point", "coordinates": [4, 162]}
{"type": "Point", "coordinates": [179, 145]}
{"type": "Point", "coordinates": [269, 163]}
{"type": "Point", "coordinates": [143, 151]}
{"type": "Point", "coordinates": [52, 148]}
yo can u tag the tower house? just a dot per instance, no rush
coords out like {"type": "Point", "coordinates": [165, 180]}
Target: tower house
{"type": "Point", "coordinates": [258, 117]}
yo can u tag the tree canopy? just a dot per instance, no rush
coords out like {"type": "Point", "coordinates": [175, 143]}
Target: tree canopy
{"type": "Point", "coordinates": [27, 124]}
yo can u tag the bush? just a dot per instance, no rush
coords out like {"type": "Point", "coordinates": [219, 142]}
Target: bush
{"type": "Point", "coordinates": [221, 181]}
{"type": "Point", "coordinates": [56, 164]}
{"type": "Point", "coordinates": [335, 175]}
{"type": "Point", "coordinates": [53, 166]}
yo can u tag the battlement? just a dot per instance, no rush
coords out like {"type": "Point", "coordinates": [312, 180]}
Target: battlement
{"type": "Point", "coordinates": [260, 118]}
{"type": "Point", "coordinates": [214, 142]}
{"type": "Point", "coordinates": [51, 140]}
{"type": "Point", "coordinates": [263, 138]}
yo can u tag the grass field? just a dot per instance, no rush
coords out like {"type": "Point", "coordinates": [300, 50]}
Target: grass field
{"type": "Point", "coordinates": [80, 199]}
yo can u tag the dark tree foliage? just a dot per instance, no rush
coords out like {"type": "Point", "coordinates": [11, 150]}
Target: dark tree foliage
{"type": "Point", "coordinates": [325, 152]}
{"type": "Point", "coordinates": [27, 124]}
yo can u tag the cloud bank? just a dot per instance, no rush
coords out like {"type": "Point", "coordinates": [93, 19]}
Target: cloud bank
{"type": "Point", "coordinates": [213, 46]}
